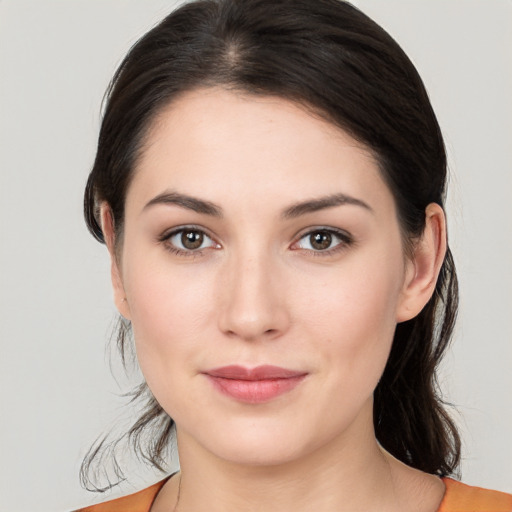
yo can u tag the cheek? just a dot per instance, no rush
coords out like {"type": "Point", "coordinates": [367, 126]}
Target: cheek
{"type": "Point", "coordinates": [169, 311]}
{"type": "Point", "coordinates": [360, 297]}
{"type": "Point", "coordinates": [354, 314]}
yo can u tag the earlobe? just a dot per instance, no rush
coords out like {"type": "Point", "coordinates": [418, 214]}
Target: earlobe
{"type": "Point", "coordinates": [107, 226]}
{"type": "Point", "coordinates": [424, 265]}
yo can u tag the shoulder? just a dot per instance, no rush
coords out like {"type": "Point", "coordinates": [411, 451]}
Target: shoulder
{"type": "Point", "coordinates": [460, 497]}
{"type": "Point", "coordinates": [139, 502]}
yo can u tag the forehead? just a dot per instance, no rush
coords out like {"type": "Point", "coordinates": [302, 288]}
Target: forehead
{"type": "Point", "coordinates": [225, 145]}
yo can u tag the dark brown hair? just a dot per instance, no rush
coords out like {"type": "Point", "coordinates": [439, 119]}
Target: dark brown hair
{"type": "Point", "coordinates": [333, 59]}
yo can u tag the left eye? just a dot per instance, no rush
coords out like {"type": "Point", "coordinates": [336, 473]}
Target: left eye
{"type": "Point", "coordinates": [190, 240]}
{"type": "Point", "coordinates": [321, 240]}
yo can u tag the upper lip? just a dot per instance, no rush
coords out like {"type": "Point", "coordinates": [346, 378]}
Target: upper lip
{"type": "Point", "coordinates": [263, 372]}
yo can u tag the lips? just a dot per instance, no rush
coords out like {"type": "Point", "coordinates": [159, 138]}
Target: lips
{"type": "Point", "coordinates": [254, 385]}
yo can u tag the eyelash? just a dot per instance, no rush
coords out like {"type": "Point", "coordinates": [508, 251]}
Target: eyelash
{"type": "Point", "coordinates": [345, 240]}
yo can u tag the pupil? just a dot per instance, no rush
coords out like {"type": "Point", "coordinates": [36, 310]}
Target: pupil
{"type": "Point", "coordinates": [321, 240]}
{"type": "Point", "coordinates": [192, 239]}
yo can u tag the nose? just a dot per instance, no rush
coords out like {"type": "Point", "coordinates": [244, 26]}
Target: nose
{"type": "Point", "coordinates": [253, 302]}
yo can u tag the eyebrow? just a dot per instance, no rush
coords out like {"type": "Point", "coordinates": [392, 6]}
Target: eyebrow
{"type": "Point", "coordinates": [185, 201]}
{"type": "Point", "coordinates": [314, 205]}
{"type": "Point", "coordinates": [295, 210]}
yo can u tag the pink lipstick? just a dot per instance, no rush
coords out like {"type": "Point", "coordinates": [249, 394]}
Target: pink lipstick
{"type": "Point", "coordinates": [255, 385]}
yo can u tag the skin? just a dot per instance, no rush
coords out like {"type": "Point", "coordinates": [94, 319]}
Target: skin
{"type": "Point", "coordinates": [258, 292]}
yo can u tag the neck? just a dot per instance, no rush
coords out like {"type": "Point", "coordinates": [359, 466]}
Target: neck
{"type": "Point", "coordinates": [341, 476]}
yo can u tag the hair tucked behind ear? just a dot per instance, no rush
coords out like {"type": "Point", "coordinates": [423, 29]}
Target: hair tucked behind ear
{"type": "Point", "coordinates": [328, 56]}
{"type": "Point", "coordinates": [410, 418]}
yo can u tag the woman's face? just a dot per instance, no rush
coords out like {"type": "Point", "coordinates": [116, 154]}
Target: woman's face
{"type": "Point", "coordinates": [257, 235]}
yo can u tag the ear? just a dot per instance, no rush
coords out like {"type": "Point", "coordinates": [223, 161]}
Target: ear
{"type": "Point", "coordinates": [107, 227]}
{"type": "Point", "coordinates": [423, 265]}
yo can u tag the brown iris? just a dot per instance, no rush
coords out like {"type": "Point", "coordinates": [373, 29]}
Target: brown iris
{"type": "Point", "coordinates": [320, 240]}
{"type": "Point", "coordinates": [192, 239]}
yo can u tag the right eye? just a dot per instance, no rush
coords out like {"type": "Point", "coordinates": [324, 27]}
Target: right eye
{"type": "Point", "coordinates": [189, 240]}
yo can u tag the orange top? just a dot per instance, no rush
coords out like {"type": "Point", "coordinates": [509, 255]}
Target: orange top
{"type": "Point", "coordinates": [458, 498]}
{"type": "Point", "coordinates": [465, 498]}
{"type": "Point", "coordinates": [139, 502]}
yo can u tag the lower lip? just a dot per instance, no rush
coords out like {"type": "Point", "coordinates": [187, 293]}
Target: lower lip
{"type": "Point", "coordinates": [255, 391]}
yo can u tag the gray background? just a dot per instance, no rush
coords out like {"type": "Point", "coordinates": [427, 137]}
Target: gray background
{"type": "Point", "coordinates": [57, 395]}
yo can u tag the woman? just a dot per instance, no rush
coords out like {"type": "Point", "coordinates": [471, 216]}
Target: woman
{"type": "Point", "coordinates": [270, 182]}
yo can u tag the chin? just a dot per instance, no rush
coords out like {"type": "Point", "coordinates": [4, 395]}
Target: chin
{"type": "Point", "coordinates": [262, 452]}
{"type": "Point", "coordinates": [248, 441]}
{"type": "Point", "coordinates": [266, 442]}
